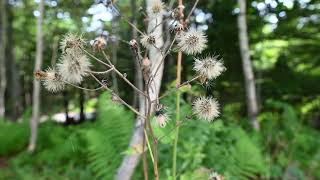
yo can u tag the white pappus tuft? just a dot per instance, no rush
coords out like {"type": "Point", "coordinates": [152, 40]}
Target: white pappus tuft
{"type": "Point", "coordinates": [210, 67]}
{"type": "Point", "coordinates": [73, 66]}
{"type": "Point", "coordinates": [52, 81]}
{"type": "Point", "coordinates": [72, 42]}
{"type": "Point", "coordinates": [206, 108]}
{"type": "Point", "coordinates": [147, 41]}
{"type": "Point", "coordinates": [156, 9]}
{"type": "Point", "coordinates": [192, 42]}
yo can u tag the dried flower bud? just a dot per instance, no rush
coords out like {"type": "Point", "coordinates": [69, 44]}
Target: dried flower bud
{"type": "Point", "coordinates": [161, 116]}
{"type": "Point", "coordinates": [175, 14]}
{"type": "Point", "coordinates": [206, 108]}
{"type": "Point", "coordinates": [39, 75]}
{"type": "Point", "coordinates": [133, 44]}
{"type": "Point", "coordinates": [99, 44]}
{"type": "Point", "coordinates": [162, 120]}
{"type": "Point", "coordinates": [146, 64]}
{"type": "Point", "coordinates": [177, 27]}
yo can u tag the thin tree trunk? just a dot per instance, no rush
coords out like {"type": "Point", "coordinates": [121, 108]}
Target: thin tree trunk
{"type": "Point", "coordinates": [138, 79]}
{"type": "Point", "coordinates": [3, 80]}
{"type": "Point", "coordinates": [115, 51]}
{"type": "Point", "coordinates": [252, 104]}
{"type": "Point", "coordinates": [66, 105]}
{"type": "Point", "coordinates": [81, 103]}
{"type": "Point", "coordinates": [14, 101]}
{"type": "Point", "coordinates": [129, 162]}
{"type": "Point", "coordinates": [36, 84]}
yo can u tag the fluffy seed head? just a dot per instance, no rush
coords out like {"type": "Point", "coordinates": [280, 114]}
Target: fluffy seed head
{"type": "Point", "coordinates": [99, 44]}
{"type": "Point", "coordinates": [73, 66]}
{"type": "Point", "coordinates": [71, 42]}
{"type": "Point", "coordinates": [206, 108]}
{"type": "Point", "coordinates": [147, 41]}
{"type": "Point", "coordinates": [215, 176]}
{"type": "Point", "coordinates": [157, 8]}
{"type": "Point", "coordinates": [161, 116]}
{"type": "Point", "coordinates": [162, 120]}
{"type": "Point", "coordinates": [192, 42]}
{"type": "Point", "coordinates": [52, 81]}
{"type": "Point", "coordinates": [210, 67]}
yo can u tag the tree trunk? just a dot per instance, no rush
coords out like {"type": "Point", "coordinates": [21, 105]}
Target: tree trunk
{"type": "Point", "coordinates": [14, 101]}
{"type": "Point", "coordinates": [252, 104]}
{"type": "Point", "coordinates": [36, 84]}
{"type": "Point", "coordinates": [3, 39]}
{"type": "Point", "coordinates": [129, 162]}
{"type": "Point", "coordinates": [81, 103]}
{"type": "Point", "coordinates": [138, 79]}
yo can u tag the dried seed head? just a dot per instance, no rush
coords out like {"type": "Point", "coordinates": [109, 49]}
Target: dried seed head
{"type": "Point", "coordinates": [52, 81]}
{"type": "Point", "coordinates": [215, 176]}
{"type": "Point", "coordinates": [210, 67]}
{"type": "Point", "coordinates": [99, 44]}
{"type": "Point", "coordinates": [175, 14]}
{"type": "Point", "coordinates": [133, 44]}
{"type": "Point", "coordinates": [146, 63]}
{"type": "Point", "coordinates": [73, 66]}
{"type": "Point", "coordinates": [72, 42]}
{"type": "Point", "coordinates": [161, 116]}
{"type": "Point", "coordinates": [192, 42]}
{"type": "Point", "coordinates": [40, 75]}
{"type": "Point", "coordinates": [156, 8]}
{"type": "Point", "coordinates": [162, 120]}
{"type": "Point", "coordinates": [147, 41]}
{"type": "Point", "coordinates": [206, 108]}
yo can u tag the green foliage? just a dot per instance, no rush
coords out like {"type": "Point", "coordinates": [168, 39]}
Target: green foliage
{"type": "Point", "coordinates": [108, 138]}
{"type": "Point", "coordinates": [13, 137]}
{"type": "Point", "coordinates": [293, 146]}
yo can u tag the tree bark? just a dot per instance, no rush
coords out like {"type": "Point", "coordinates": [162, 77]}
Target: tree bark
{"type": "Point", "coordinates": [129, 162]}
{"type": "Point", "coordinates": [3, 39]}
{"type": "Point", "coordinates": [138, 79]}
{"type": "Point", "coordinates": [13, 90]}
{"type": "Point", "coordinates": [36, 84]}
{"type": "Point", "coordinates": [251, 97]}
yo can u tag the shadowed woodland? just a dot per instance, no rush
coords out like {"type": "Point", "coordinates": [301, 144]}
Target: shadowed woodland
{"type": "Point", "coordinates": [160, 89]}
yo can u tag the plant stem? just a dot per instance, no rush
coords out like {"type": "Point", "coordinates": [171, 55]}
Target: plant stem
{"type": "Point", "coordinates": [174, 166]}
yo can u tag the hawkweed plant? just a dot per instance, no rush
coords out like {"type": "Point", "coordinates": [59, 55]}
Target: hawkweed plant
{"type": "Point", "coordinates": [75, 66]}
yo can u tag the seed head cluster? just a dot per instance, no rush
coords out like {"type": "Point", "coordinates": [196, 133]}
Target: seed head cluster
{"type": "Point", "coordinates": [206, 108]}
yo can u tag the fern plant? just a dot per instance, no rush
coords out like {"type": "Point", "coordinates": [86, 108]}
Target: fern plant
{"type": "Point", "coordinates": [108, 137]}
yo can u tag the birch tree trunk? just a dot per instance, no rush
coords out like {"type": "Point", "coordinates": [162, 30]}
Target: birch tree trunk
{"type": "Point", "coordinates": [36, 84]}
{"type": "Point", "coordinates": [251, 97]}
{"type": "Point", "coordinates": [130, 162]}
{"type": "Point", "coordinates": [3, 39]}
